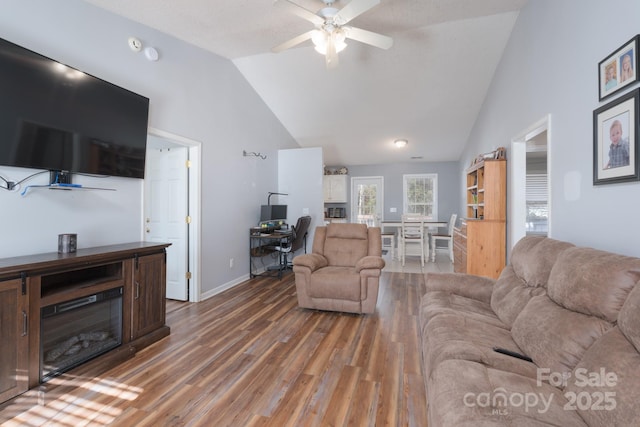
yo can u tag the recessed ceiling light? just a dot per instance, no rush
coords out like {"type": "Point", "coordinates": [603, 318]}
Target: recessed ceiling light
{"type": "Point", "coordinates": [400, 143]}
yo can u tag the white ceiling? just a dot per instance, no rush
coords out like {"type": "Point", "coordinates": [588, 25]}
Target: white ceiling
{"type": "Point", "coordinates": [428, 88]}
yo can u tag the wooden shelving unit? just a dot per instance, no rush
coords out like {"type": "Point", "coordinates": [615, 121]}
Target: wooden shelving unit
{"type": "Point", "coordinates": [480, 241]}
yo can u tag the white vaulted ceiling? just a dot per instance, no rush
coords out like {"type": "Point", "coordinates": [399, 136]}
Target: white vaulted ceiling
{"type": "Point", "coordinates": [427, 88]}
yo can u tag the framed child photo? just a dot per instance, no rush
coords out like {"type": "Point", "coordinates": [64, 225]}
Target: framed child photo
{"type": "Point", "coordinates": [619, 69]}
{"type": "Point", "coordinates": [615, 140]}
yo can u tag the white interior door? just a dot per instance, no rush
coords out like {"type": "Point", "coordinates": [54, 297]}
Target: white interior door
{"type": "Point", "coordinates": [166, 212]}
{"type": "Point", "coordinates": [367, 200]}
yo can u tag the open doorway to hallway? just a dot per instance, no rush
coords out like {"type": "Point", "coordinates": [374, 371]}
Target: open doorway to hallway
{"type": "Point", "coordinates": [530, 207]}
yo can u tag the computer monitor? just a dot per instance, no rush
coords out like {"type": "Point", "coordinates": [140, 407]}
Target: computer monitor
{"type": "Point", "coordinates": [273, 213]}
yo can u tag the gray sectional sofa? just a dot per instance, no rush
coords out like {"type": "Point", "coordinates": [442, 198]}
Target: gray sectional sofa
{"type": "Point", "coordinates": [575, 312]}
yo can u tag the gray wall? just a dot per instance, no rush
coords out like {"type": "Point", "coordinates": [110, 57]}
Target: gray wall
{"type": "Point", "coordinates": [448, 184]}
{"type": "Point", "coordinates": [300, 176]}
{"type": "Point", "coordinates": [550, 66]}
{"type": "Point", "coordinates": [193, 93]}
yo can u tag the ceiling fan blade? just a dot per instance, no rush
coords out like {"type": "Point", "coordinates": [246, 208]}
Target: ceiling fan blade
{"type": "Point", "coordinates": [353, 9]}
{"type": "Point", "coordinates": [296, 9]}
{"type": "Point", "coordinates": [368, 37]}
{"type": "Point", "coordinates": [293, 42]}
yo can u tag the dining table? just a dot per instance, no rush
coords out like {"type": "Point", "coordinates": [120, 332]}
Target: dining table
{"type": "Point", "coordinates": [429, 225]}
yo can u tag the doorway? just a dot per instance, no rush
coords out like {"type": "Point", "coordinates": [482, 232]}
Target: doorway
{"type": "Point", "coordinates": [367, 200]}
{"type": "Point", "coordinates": [171, 211]}
{"type": "Point", "coordinates": [530, 210]}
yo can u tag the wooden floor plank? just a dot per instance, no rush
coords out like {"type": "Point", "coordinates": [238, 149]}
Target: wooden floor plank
{"type": "Point", "coordinates": [251, 357]}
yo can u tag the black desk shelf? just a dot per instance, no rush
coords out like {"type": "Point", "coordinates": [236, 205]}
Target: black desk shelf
{"type": "Point", "coordinates": [263, 244]}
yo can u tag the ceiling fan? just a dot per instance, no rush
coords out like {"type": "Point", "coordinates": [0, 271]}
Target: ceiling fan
{"type": "Point", "coordinates": [332, 29]}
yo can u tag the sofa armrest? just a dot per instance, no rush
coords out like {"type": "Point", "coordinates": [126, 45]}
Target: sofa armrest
{"type": "Point", "coordinates": [369, 262]}
{"type": "Point", "coordinates": [311, 261]}
{"type": "Point", "coordinates": [466, 285]}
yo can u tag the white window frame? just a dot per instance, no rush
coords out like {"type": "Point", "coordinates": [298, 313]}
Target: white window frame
{"type": "Point", "coordinates": [431, 176]}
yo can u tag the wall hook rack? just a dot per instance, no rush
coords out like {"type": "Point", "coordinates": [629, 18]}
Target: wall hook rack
{"type": "Point", "coordinates": [253, 154]}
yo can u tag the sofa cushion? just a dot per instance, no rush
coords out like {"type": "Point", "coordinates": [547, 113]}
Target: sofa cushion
{"type": "Point", "coordinates": [345, 244]}
{"type": "Point", "coordinates": [336, 283]}
{"type": "Point", "coordinates": [510, 295]}
{"type": "Point", "coordinates": [593, 282]}
{"type": "Point", "coordinates": [629, 317]}
{"type": "Point", "coordinates": [526, 276]}
{"type": "Point", "coordinates": [440, 302]}
{"type": "Point", "coordinates": [452, 336]}
{"type": "Point", "coordinates": [533, 258]}
{"type": "Point", "coordinates": [554, 337]}
{"type": "Point", "coordinates": [605, 385]}
{"type": "Point", "coordinates": [467, 285]}
{"type": "Point", "coordinates": [463, 393]}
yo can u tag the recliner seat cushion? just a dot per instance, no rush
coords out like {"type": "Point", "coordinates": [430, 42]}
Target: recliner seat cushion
{"type": "Point", "coordinates": [336, 283]}
{"type": "Point", "coordinates": [450, 336]}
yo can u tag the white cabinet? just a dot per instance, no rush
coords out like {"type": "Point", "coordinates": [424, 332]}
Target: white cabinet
{"type": "Point", "coordinates": [335, 188]}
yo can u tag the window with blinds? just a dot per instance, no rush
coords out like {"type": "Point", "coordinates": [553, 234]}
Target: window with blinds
{"type": "Point", "coordinates": [537, 204]}
{"type": "Point", "coordinates": [421, 194]}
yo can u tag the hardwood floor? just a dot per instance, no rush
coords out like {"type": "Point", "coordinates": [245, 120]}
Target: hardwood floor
{"type": "Point", "coordinates": [251, 357]}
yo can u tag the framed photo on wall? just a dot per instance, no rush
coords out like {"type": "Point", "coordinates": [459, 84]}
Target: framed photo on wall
{"type": "Point", "coordinates": [615, 140]}
{"type": "Point", "coordinates": [619, 69]}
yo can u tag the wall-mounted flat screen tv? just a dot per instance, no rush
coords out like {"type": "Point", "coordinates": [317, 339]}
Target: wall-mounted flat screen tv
{"type": "Point", "coordinates": [57, 118]}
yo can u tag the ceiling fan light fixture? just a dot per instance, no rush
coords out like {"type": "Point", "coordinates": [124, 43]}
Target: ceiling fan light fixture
{"type": "Point", "coordinates": [320, 40]}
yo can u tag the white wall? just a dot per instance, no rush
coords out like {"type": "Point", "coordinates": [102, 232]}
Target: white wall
{"type": "Point", "coordinates": [193, 93]}
{"type": "Point", "coordinates": [300, 175]}
{"type": "Point", "coordinates": [550, 66]}
{"type": "Point", "coordinates": [33, 221]}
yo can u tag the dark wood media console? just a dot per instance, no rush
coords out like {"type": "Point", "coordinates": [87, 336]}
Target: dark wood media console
{"type": "Point", "coordinates": [134, 272]}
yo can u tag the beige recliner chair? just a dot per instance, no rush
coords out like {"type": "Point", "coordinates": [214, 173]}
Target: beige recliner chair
{"type": "Point", "coordinates": [343, 271]}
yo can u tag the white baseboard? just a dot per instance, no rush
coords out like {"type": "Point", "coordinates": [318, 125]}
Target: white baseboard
{"type": "Point", "coordinates": [223, 287]}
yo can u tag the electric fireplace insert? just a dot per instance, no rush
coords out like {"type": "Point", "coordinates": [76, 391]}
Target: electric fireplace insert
{"type": "Point", "coordinates": [75, 331]}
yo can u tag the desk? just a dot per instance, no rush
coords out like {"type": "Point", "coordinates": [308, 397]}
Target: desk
{"type": "Point", "coordinates": [263, 244]}
{"type": "Point", "coordinates": [427, 225]}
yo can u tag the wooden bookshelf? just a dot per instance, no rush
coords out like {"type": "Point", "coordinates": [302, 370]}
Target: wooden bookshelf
{"type": "Point", "coordinates": [482, 237]}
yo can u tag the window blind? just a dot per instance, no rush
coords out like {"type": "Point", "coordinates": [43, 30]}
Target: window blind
{"type": "Point", "coordinates": [536, 188]}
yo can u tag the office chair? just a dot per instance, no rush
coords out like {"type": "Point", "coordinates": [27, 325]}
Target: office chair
{"type": "Point", "coordinates": [298, 241]}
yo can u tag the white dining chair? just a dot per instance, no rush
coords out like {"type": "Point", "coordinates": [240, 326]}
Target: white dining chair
{"type": "Point", "coordinates": [412, 234]}
{"type": "Point", "coordinates": [448, 237]}
{"type": "Point", "coordinates": [388, 239]}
